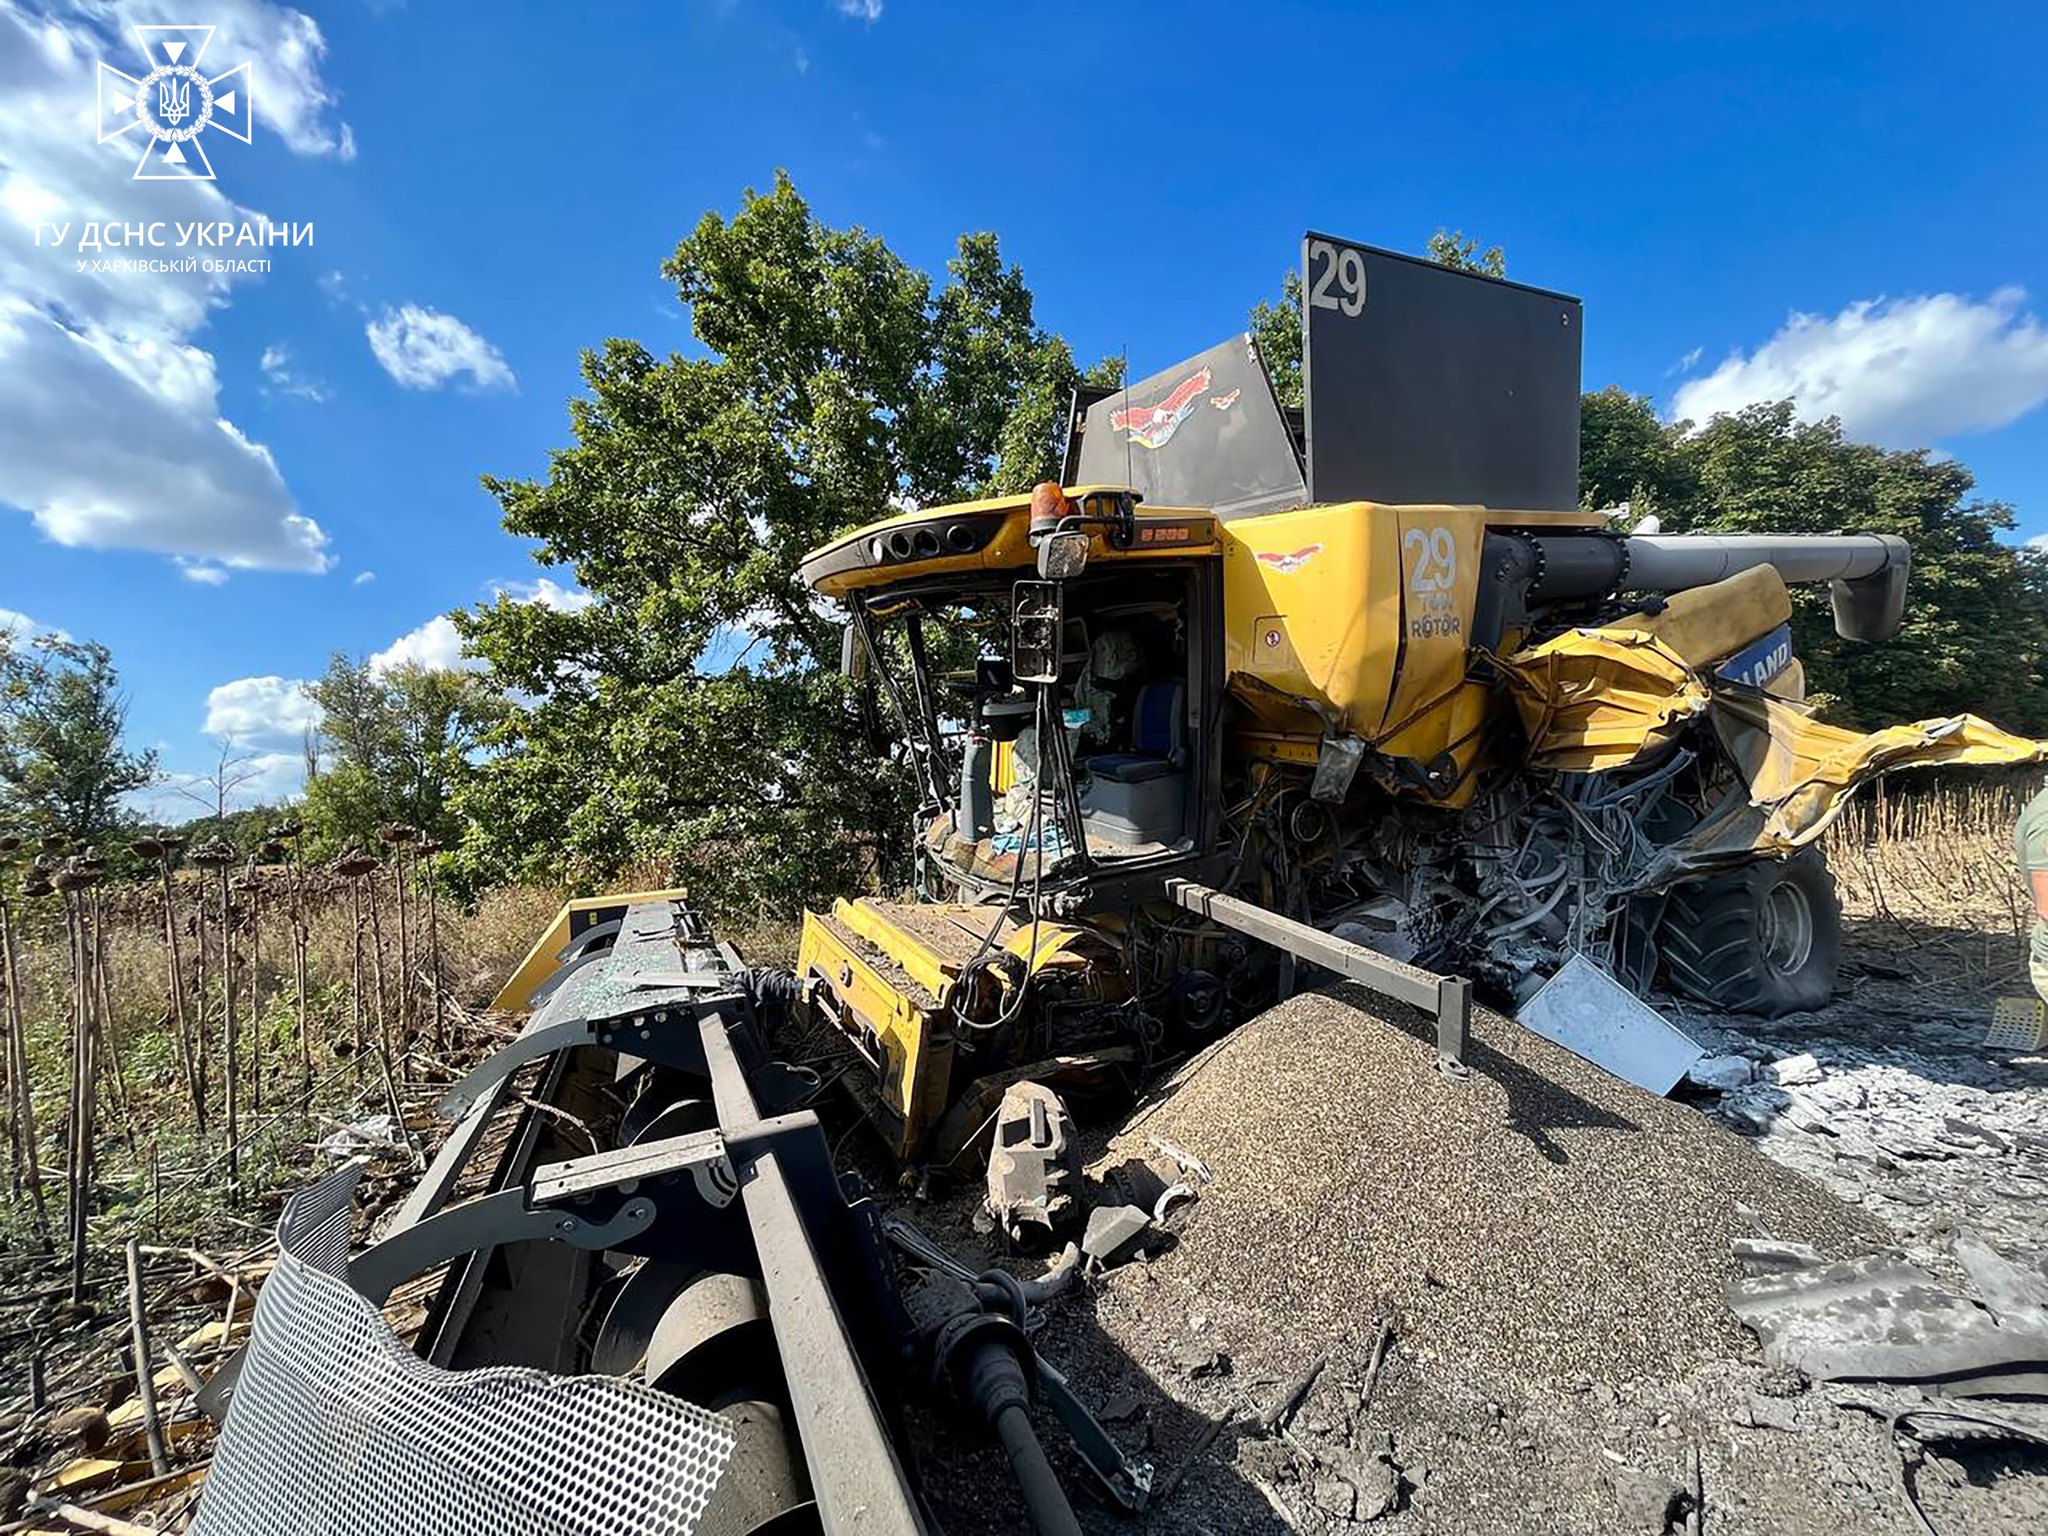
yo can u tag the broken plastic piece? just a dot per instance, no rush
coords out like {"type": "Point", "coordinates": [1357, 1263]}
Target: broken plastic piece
{"type": "Point", "coordinates": [1113, 1231]}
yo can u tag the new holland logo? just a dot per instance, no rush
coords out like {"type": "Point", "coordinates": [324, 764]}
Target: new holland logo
{"type": "Point", "coordinates": [174, 103]}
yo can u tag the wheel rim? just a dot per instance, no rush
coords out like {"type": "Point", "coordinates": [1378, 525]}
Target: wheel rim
{"type": "Point", "coordinates": [1785, 928]}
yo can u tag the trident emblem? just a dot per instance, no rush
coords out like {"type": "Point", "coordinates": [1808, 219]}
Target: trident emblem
{"type": "Point", "coordinates": [174, 103]}
{"type": "Point", "coordinates": [173, 100]}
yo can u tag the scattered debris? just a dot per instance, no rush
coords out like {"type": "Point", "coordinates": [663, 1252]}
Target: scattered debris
{"type": "Point", "coordinates": [1183, 1159]}
{"type": "Point", "coordinates": [1793, 1070]}
{"type": "Point", "coordinates": [1114, 1232]}
{"type": "Point", "coordinates": [1033, 1167]}
{"type": "Point", "coordinates": [1763, 1256]}
{"type": "Point", "coordinates": [1197, 1359]}
{"type": "Point", "coordinates": [1380, 1346]}
{"type": "Point", "coordinates": [1771, 1412]}
{"type": "Point", "coordinates": [1282, 1412]}
{"type": "Point", "coordinates": [1195, 1453]}
{"type": "Point", "coordinates": [1589, 1013]}
{"type": "Point", "coordinates": [1171, 1199]}
{"type": "Point", "coordinates": [1882, 1318]}
{"type": "Point", "coordinates": [372, 1133]}
{"type": "Point", "coordinates": [1720, 1073]}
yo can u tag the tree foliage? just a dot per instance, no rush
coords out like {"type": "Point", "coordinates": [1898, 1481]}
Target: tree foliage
{"type": "Point", "coordinates": [1451, 248]}
{"type": "Point", "coordinates": [395, 743]}
{"type": "Point", "coordinates": [63, 766]}
{"type": "Point", "coordinates": [837, 382]}
{"type": "Point", "coordinates": [1276, 328]}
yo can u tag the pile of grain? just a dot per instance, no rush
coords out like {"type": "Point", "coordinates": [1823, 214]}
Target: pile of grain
{"type": "Point", "coordinates": [1537, 1220]}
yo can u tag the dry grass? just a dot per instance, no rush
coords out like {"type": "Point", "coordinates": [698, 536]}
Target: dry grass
{"type": "Point", "coordinates": [1944, 857]}
{"type": "Point", "coordinates": [145, 1112]}
{"type": "Point", "coordinates": [1931, 886]}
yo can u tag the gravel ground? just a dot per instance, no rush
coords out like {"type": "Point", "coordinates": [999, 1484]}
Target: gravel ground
{"type": "Point", "coordinates": [1548, 1248]}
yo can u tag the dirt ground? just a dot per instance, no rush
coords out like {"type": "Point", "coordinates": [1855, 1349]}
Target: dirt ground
{"type": "Point", "coordinates": [1546, 1251]}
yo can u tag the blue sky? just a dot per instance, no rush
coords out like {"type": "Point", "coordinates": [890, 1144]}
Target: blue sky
{"type": "Point", "coordinates": [1842, 204]}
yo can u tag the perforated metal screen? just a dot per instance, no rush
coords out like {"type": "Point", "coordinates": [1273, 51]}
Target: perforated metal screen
{"type": "Point", "coordinates": [338, 1428]}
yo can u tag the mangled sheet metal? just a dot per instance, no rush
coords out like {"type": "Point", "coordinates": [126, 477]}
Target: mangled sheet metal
{"type": "Point", "coordinates": [1589, 1013]}
{"type": "Point", "coordinates": [1883, 1318]}
{"type": "Point", "coordinates": [1595, 700]}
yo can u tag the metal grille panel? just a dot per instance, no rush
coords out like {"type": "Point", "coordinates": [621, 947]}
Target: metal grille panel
{"type": "Point", "coordinates": [2018, 1024]}
{"type": "Point", "coordinates": [338, 1429]}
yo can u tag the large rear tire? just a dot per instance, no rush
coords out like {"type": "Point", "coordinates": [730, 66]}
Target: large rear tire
{"type": "Point", "coordinates": [1766, 939]}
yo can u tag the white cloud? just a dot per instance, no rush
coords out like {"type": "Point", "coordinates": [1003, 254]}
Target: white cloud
{"type": "Point", "coordinates": [424, 349]}
{"type": "Point", "coordinates": [434, 644]}
{"type": "Point", "coordinates": [1904, 373]}
{"type": "Point", "coordinates": [260, 711]}
{"type": "Point", "coordinates": [860, 10]}
{"type": "Point", "coordinates": [437, 644]}
{"type": "Point", "coordinates": [201, 572]}
{"type": "Point", "coordinates": [110, 428]}
{"type": "Point", "coordinates": [549, 594]}
{"type": "Point", "coordinates": [362, 578]}
{"type": "Point", "coordinates": [284, 379]}
{"type": "Point", "coordinates": [15, 625]}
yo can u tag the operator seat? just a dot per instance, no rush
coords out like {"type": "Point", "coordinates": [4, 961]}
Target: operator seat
{"type": "Point", "coordinates": [1158, 733]}
{"type": "Point", "coordinates": [1139, 798]}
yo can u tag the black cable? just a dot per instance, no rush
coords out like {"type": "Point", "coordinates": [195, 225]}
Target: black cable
{"type": "Point", "coordinates": [1043, 1496]}
{"type": "Point", "coordinates": [1032, 833]}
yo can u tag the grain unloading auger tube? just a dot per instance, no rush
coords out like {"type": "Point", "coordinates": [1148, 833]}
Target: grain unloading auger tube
{"type": "Point", "coordinates": [692, 1327]}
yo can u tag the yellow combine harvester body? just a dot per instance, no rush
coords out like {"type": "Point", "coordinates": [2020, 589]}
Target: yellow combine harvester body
{"type": "Point", "coordinates": [1347, 622]}
{"type": "Point", "coordinates": [1359, 685]}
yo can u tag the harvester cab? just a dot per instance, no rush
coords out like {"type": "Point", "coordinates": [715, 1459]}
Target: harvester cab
{"type": "Point", "coordinates": [1360, 686]}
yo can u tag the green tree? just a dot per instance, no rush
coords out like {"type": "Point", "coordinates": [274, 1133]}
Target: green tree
{"type": "Point", "coordinates": [396, 741]}
{"type": "Point", "coordinates": [1277, 330]}
{"type": "Point", "coordinates": [837, 382]}
{"type": "Point", "coordinates": [63, 767]}
{"type": "Point", "coordinates": [1450, 248]}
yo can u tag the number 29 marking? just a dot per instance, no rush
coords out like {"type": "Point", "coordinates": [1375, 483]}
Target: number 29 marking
{"type": "Point", "coordinates": [1343, 267]}
{"type": "Point", "coordinates": [1432, 559]}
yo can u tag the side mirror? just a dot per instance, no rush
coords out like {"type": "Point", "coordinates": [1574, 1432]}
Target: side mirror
{"type": "Point", "coordinates": [1036, 623]}
{"type": "Point", "coordinates": [853, 654]}
{"type": "Point", "coordinates": [1062, 555]}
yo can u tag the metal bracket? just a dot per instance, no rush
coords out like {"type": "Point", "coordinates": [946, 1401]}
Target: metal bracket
{"type": "Point", "coordinates": [664, 1034]}
{"type": "Point", "coordinates": [537, 1212]}
{"type": "Point", "coordinates": [703, 1153]}
{"type": "Point", "coordinates": [487, 1223]}
{"type": "Point", "coordinates": [1449, 998]}
{"type": "Point", "coordinates": [1129, 1481]}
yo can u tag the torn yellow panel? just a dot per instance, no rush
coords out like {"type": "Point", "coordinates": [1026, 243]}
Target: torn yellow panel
{"type": "Point", "coordinates": [1801, 771]}
{"type": "Point", "coordinates": [1598, 699]}
{"type": "Point", "coordinates": [1595, 700]}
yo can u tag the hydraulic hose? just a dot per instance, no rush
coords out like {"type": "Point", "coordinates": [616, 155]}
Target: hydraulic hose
{"type": "Point", "coordinates": [1043, 1496]}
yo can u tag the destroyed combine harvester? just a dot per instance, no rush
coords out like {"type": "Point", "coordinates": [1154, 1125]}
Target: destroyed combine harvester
{"type": "Point", "coordinates": [1253, 695]}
